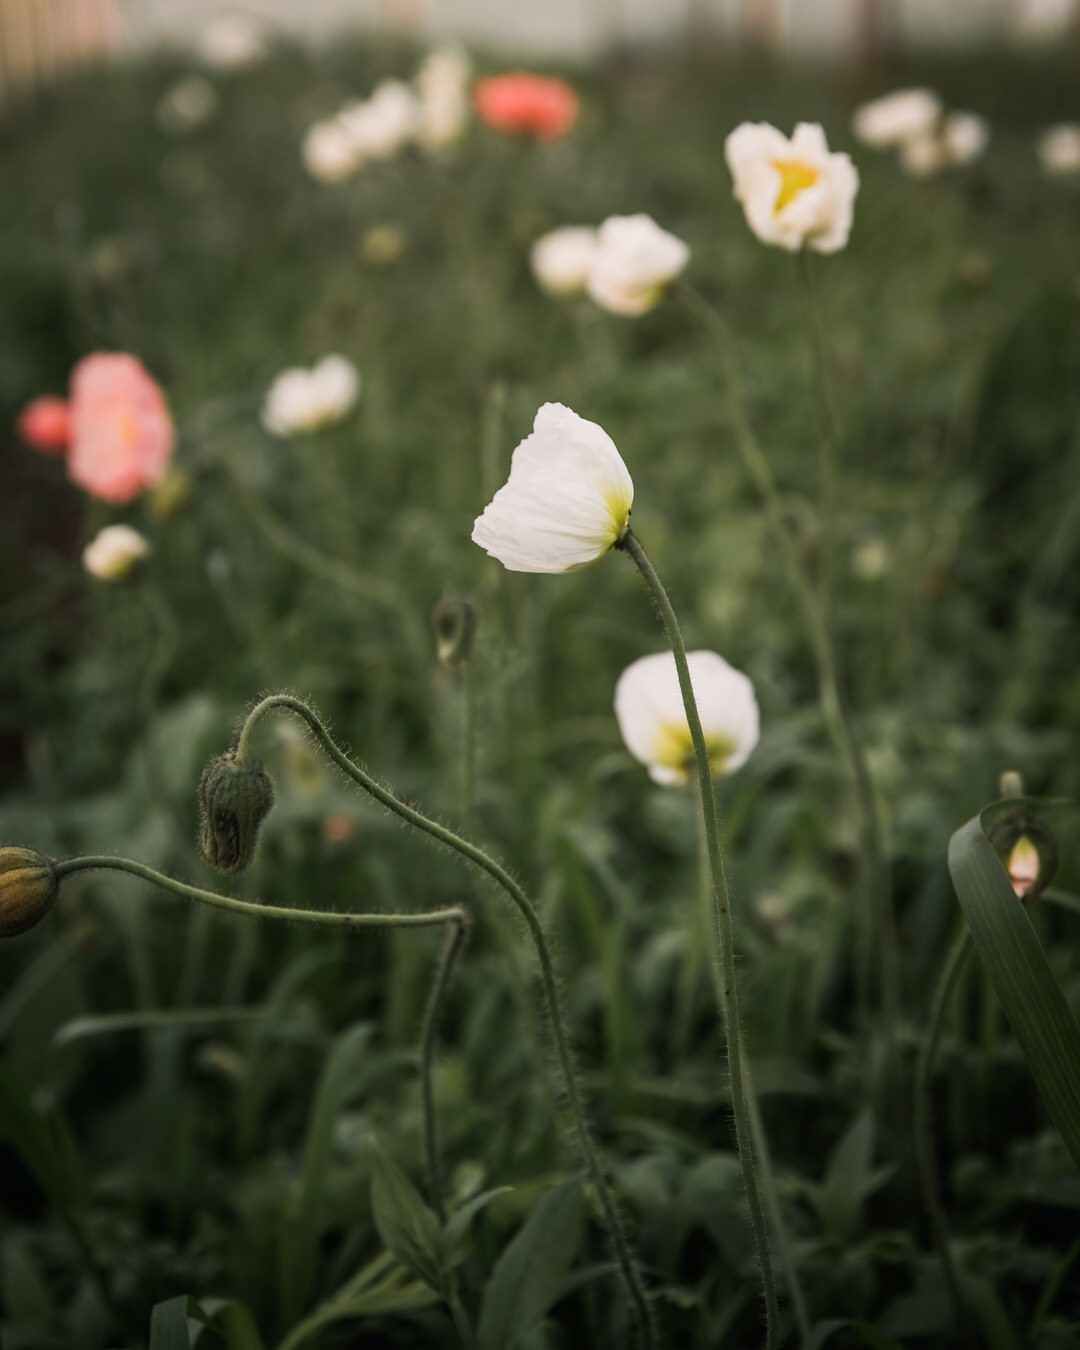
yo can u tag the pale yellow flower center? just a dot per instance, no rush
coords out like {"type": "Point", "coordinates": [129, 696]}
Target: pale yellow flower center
{"type": "Point", "coordinates": [1023, 866]}
{"type": "Point", "coordinates": [674, 749]}
{"type": "Point", "coordinates": [795, 177]}
{"type": "Point", "coordinates": [618, 501]}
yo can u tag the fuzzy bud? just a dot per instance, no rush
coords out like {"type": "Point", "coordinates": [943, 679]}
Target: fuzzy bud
{"type": "Point", "coordinates": [235, 798]}
{"type": "Point", "coordinates": [28, 889]}
{"type": "Point", "coordinates": [455, 630]}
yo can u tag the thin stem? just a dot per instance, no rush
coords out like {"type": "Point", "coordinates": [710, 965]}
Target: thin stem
{"type": "Point", "coordinates": [455, 940]}
{"type": "Point", "coordinates": [924, 1124]}
{"type": "Point", "coordinates": [468, 743]}
{"type": "Point", "coordinates": [827, 442]}
{"type": "Point", "coordinates": [728, 997]}
{"type": "Point", "coordinates": [627, 1265]}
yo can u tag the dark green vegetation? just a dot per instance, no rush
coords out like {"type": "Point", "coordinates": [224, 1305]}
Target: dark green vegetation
{"type": "Point", "coordinates": [198, 1105]}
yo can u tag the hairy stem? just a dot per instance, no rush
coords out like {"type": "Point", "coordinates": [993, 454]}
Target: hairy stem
{"type": "Point", "coordinates": [455, 940]}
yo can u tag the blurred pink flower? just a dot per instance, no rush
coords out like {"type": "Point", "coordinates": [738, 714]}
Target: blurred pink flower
{"type": "Point", "coordinates": [45, 425]}
{"type": "Point", "coordinates": [121, 433]}
{"type": "Point", "coordinates": [534, 105]}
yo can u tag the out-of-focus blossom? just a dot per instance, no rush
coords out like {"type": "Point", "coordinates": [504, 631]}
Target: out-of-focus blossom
{"type": "Point", "coordinates": [632, 264]}
{"type": "Point", "coordinates": [895, 118]}
{"type": "Point", "coordinates": [959, 139]}
{"type": "Point", "coordinates": [232, 42]}
{"type": "Point", "coordinates": [1043, 20]}
{"type": "Point", "coordinates": [186, 105]}
{"type": "Point", "coordinates": [45, 425]}
{"type": "Point", "coordinates": [870, 559]}
{"type": "Point", "coordinates": [795, 192]}
{"type": "Point", "coordinates": [328, 151]}
{"type": "Point", "coordinates": [114, 552]}
{"type": "Point", "coordinates": [304, 400]}
{"type": "Point", "coordinates": [381, 245]}
{"type": "Point", "coordinates": [380, 126]}
{"type": "Point", "coordinates": [442, 87]}
{"type": "Point", "coordinates": [652, 719]}
{"type": "Point", "coordinates": [1058, 149]}
{"type": "Point", "coordinates": [561, 259]}
{"type": "Point", "coordinates": [531, 105]}
{"type": "Point", "coordinates": [121, 433]}
{"type": "Point", "coordinates": [566, 502]}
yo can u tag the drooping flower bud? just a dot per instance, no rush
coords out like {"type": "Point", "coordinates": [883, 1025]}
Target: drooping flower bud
{"type": "Point", "coordinates": [455, 629]}
{"type": "Point", "coordinates": [28, 889]}
{"type": "Point", "coordinates": [235, 799]}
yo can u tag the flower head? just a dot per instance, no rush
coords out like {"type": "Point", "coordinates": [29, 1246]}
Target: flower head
{"type": "Point", "coordinates": [28, 889]}
{"type": "Point", "coordinates": [1058, 149]}
{"type": "Point", "coordinates": [114, 552]}
{"type": "Point", "coordinates": [45, 425]}
{"type": "Point", "coordinates": [795, 192]}
{"type": "Point", "coordinates": [561, 259]}
{"type": "Point", "coordinates": [232, 42]}
{"type": "Point", "coordinates": [442, 87]}
{"type": "Point", "coordinates": [531, 105]}
{"type": "Point", "coordinates": [234, 800]}
{"type": "Point", "coordinates": [328, 151]}
{"type": "Point", "coordinates": [566, 502]}
{"type": "Point", "coordinates": [382, 125]}
{"type": "Point", "coordinates": [304, 400]}
{"type": "Point", "coordinates": [632, 263]}
{"type": "Point", "coordinates": [896, 118]}
{"type": "Point", "coordinates": [652, 718]}
{"type": "Point", "coordinates": [121, 433]}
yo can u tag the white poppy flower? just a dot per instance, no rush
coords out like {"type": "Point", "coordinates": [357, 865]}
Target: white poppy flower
{"type": "Point", "coordinates": [924, 156]}
{"type": "Point", "coordinates": [561, 259]}
{"type": "Point", "coordinates": [232, 42]}
{"type": "Point", "coordinates": [304, 400]}
{"type": "Point", "coordinates": [566, 502]}
{"type": "Point", "coordinates": [114, 552]}
{"type": "Point", "coordinates": [795, 192]}
{"type": "Point", "coordinates": [634, 260]}
{"type": "Point", "coordinates": [442, 87]}
{"type": "Point", "coordinates": [904, 115]}
{"type": "Point", "coordinates": [328, 152]}
{"type": "Point", "coordinates": [382, 125]}
{"type": "Point", "coordinates": [652, 719]}
{"type": "Point", "coordinates": [1058, 149]}
{"type": "Point", "coordinates": [966, 136]}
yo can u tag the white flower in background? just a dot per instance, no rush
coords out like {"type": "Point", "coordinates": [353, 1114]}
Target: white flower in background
{"type": "Point", "coordinates": [652, 719]}
{"type": "Point", "coordinates": [1043, 20]}
{"type": "Point", "coordinates": [561, 259]}
{"type": "Point", "coordinates": [795, 192]}
{"type": "Point", "coordinates": [114, 552]}
{"type": "Point", "coordinates": [959, 139]}
{"type": "Point", "coordinates": [233, 42]}
{"type": "Point", "coordinates": [924, 156]}
{"type": "Point", "coordinates": [442, 88]}
{"type": "Point", "coordinates": [328, 152]}
{"type": "Point", "coordinates": [186, 105]}
{"type": "Point", "coordinates": [632, 264]}
{"type": "Point", "coordinates": [1058, 149]}
{"type": "Point", "coordinates": [566, 502]}
{"type": "Point", "coordinates": [902, 116]}
{"type": "Point", "coordinates": [379, 126]}
{"type": "Point", "coordinates": [304, 400]}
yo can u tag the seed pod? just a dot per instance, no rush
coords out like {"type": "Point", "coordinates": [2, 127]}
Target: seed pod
{"type": "Point", "coordinates": [235, 798]}
{"type": "Point", "coordinates": [455, 628]}
{"type": "Point", "coordinates": [28, 889]}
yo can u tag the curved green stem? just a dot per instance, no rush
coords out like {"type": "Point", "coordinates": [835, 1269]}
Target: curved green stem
{"type": "Point", "coordinates": [624, 1256]}
{"type": "Point", "coordinates": [726, 990]}
{"type": "Point", "coordinates": [455, 940]}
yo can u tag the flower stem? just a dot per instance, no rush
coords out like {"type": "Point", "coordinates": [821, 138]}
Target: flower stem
{"type": "Point", "coordinates": [468, 743]}
{"type": "Point", "coordinates": [455, 940]}
{"type": "Point", "coordinates": [627, 1265]}
{"type": "Point", "coordinates": [726, 990]}
{"type": "Point", "coordinates": [827, 446]}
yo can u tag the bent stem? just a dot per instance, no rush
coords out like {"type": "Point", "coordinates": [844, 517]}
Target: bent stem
{"type": "Point", "coordinates": [627, 1265]}
{"type": "Point", "coordinates": [726, 989]}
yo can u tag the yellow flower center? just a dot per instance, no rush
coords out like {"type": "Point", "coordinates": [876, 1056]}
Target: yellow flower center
{"type": "Point", "coordinates": [618, 502]}
{"type": "Point", "coordinates": [795, 177]}
{"type": "Point", "coordinates": [674, 749]}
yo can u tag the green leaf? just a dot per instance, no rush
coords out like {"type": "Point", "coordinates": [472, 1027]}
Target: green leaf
{"type": "Point", "coordinates": [405, 1224]}
{"type": "Point", "coordinates": [1013, 958]}
{"type": "Point", "coordinates": [43, 1143]}
{"type": "Point", "coordinates": [235, 1323]}
{"type": "Point", "coordinates": [78, 1028]}
{"type": "Point", "coordinates": [530, 1274]}
{"type": "Point", "coordinates": [870, 1335]}
{"type": "Point", "coordinates": [851, 1178]}
{"type": "Point", "coordinates": [458, 1224]}
{"type": "Point", "coordinates": [169, 1325]}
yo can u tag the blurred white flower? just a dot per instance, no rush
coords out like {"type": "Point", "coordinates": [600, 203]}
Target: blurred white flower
{"type": "Point", "coordinates": [1058, 149]}
{"type": "Point", "coordinates": [870, 559]}
{"type": "Point", "coordinates": [566, 502]}
{"type": "Point", "coordinates": [632, 264]}
{"type": "Point", "coordinates": [652, 719]}
{"type": "Point", "coordinates": [795, 192]}
{"type": "Point", "coordinates": [114, 552]}
{"type": "Point", "coordinates": [380, 126]}
{"type": "Point", "coordinates": [904, 115]}
{"type": "Point", "coordinates": [186, 105]}
{"type": "Point", "coordinates": [959, 139]}
{"type": "Point", "coordinates": [1043, 20]}
{"type": "Point", "coordinates": [232, 42]}
{"type": "Point", "coordinates": [442, 87]}
{"type": "Point", "coordinates": [304, 400]}
{"type": "Point", "coordinates": [328, 152]}
{"type": "Point", "coordinates": [561, 259]}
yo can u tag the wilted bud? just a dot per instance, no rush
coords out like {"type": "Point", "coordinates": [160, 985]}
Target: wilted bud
{"type": "Point", "coordinates": [1028, 851]}
{"type": "Point", "coordinates": [28, 888]}
{"type": "Point", "coordinates": [235, 799]}
{"type": "Point", "coordinates": [455, 630]}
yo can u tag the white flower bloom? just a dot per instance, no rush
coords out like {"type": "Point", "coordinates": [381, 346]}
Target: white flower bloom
{"type": "Point", "coordinates": [442, 87]}
{"type": "Point", "coordinates": [924, 156]}
{"type": "Point", "coordinates": [896, 118]}
{"type": "Point", "coordinates": [633, 262]}
{"type": "Point", "coordinates": [652, 719]}
{"type": "Point", "coordinates": [1043, 20]}
{"type": "Point", "coordinates": [186, 105]}
{"type": "Point", "coordinates": [114, 552]}
{"type": "Point", "coordinates": [966, 136]}
{"type": "Point", "coordinates": [1058, 149]}
{"type": "Point", "coordinates": [328, 151]}
{"type": "Point", "coordinates": [561, 259]}
{"type": "Point", "coordinates": [304, 400]}
{"type": "Point", "coordinates": [566, 502]}
{"type": "Point", "coordinates": [382, 125]}
{"type": "Point", "coordinates": [794, 192]}
{"type": "Point", "coordinates": [232, 42]}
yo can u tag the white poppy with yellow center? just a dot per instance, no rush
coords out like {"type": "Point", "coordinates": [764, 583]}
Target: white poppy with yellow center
{"type": "Point", "coordinates": [796, 192]}
{"type": "Point", "coordinates": [114, 552]}
{"type": "Point", "coordinates": [652, 719]}
{"type": "Point", "coordinates": [566, 502]}
{"type": "Point", "coordinates": [632, 264]}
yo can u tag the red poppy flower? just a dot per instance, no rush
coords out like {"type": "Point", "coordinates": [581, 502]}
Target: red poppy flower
{"type": "Point", "coordinates": [532, 105]}
{"type": "Point", "coordinates": [45, 425]}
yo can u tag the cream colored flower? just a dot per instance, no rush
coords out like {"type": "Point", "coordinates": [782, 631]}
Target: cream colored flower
{"type": "Point", "coordinates": [382, 125]}
{"type": "Point", "coordinates": [328, 151]}
{"type": "Point", "coordinates": [896, 118]}
{"type": "Point", "coordinates": [232, 42]}
{"type": "Point", "coordinates": [114, 552]}
{"type": "Point", "coordinates": [442, 87]}
{"type": "Point", "coordinates": [652, 719]}
{"type": "Point", "coordinates": [633, 262]}
{"type": "Point", "coordinates": [795, 192]}
{"type": "Point", "coordinates": [566, 502]}
{"type": "Point", "coordinates": [960, 138]}
{"type": "Point", "coordinates": [304, 400]}
{"type": "Point", "coordinates": [561, 259]}
{"type": "Point", "coordinates": [1058, 149]}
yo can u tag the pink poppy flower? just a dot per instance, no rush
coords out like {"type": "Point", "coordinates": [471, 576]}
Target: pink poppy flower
{"type": "Point", "coordinates": [533, 105]}
{"type": "Point", "coordinates": [45, 425]}
{"type": "Point", "coordinates": [121, 433]}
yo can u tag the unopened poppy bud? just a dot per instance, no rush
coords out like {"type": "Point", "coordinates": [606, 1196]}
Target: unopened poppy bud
{"type": "Point", "coordinates": [235, 799]}
{"type": "Point", "coordinates": [1028, 851]}
{"type": "Point", "coordinates": [28, 889]}
{"type": "Point", "coordinates": [455, 630]}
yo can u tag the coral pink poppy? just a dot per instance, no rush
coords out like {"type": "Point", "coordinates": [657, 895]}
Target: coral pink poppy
{"type": "Point", "coordinates": [534, 105]}
{"type": "Point", "coordinates": [121, 432]}
{"type": "Point", "coordinates": [45, 425]}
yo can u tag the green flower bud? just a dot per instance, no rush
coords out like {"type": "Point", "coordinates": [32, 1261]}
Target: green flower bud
{"type": "Point", "coordinates": [235, 799]}
{"type": "Point", "coordinates": [455, 629]}
{"type": "Point", "coordinates": [28, 888]}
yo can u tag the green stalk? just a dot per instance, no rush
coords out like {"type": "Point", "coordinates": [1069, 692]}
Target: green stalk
{"type": "Point", "coordinates": [455, 940]}
{"type": "Point", "coordinates": [726, 991]}
{"type": "Point", "coordinates": [827, 447]}
{"type": "Point", "coordinates": [468, 743]}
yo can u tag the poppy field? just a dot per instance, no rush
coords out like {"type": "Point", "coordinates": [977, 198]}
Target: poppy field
{"type": "Point", "coordinates": [539, 704]}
